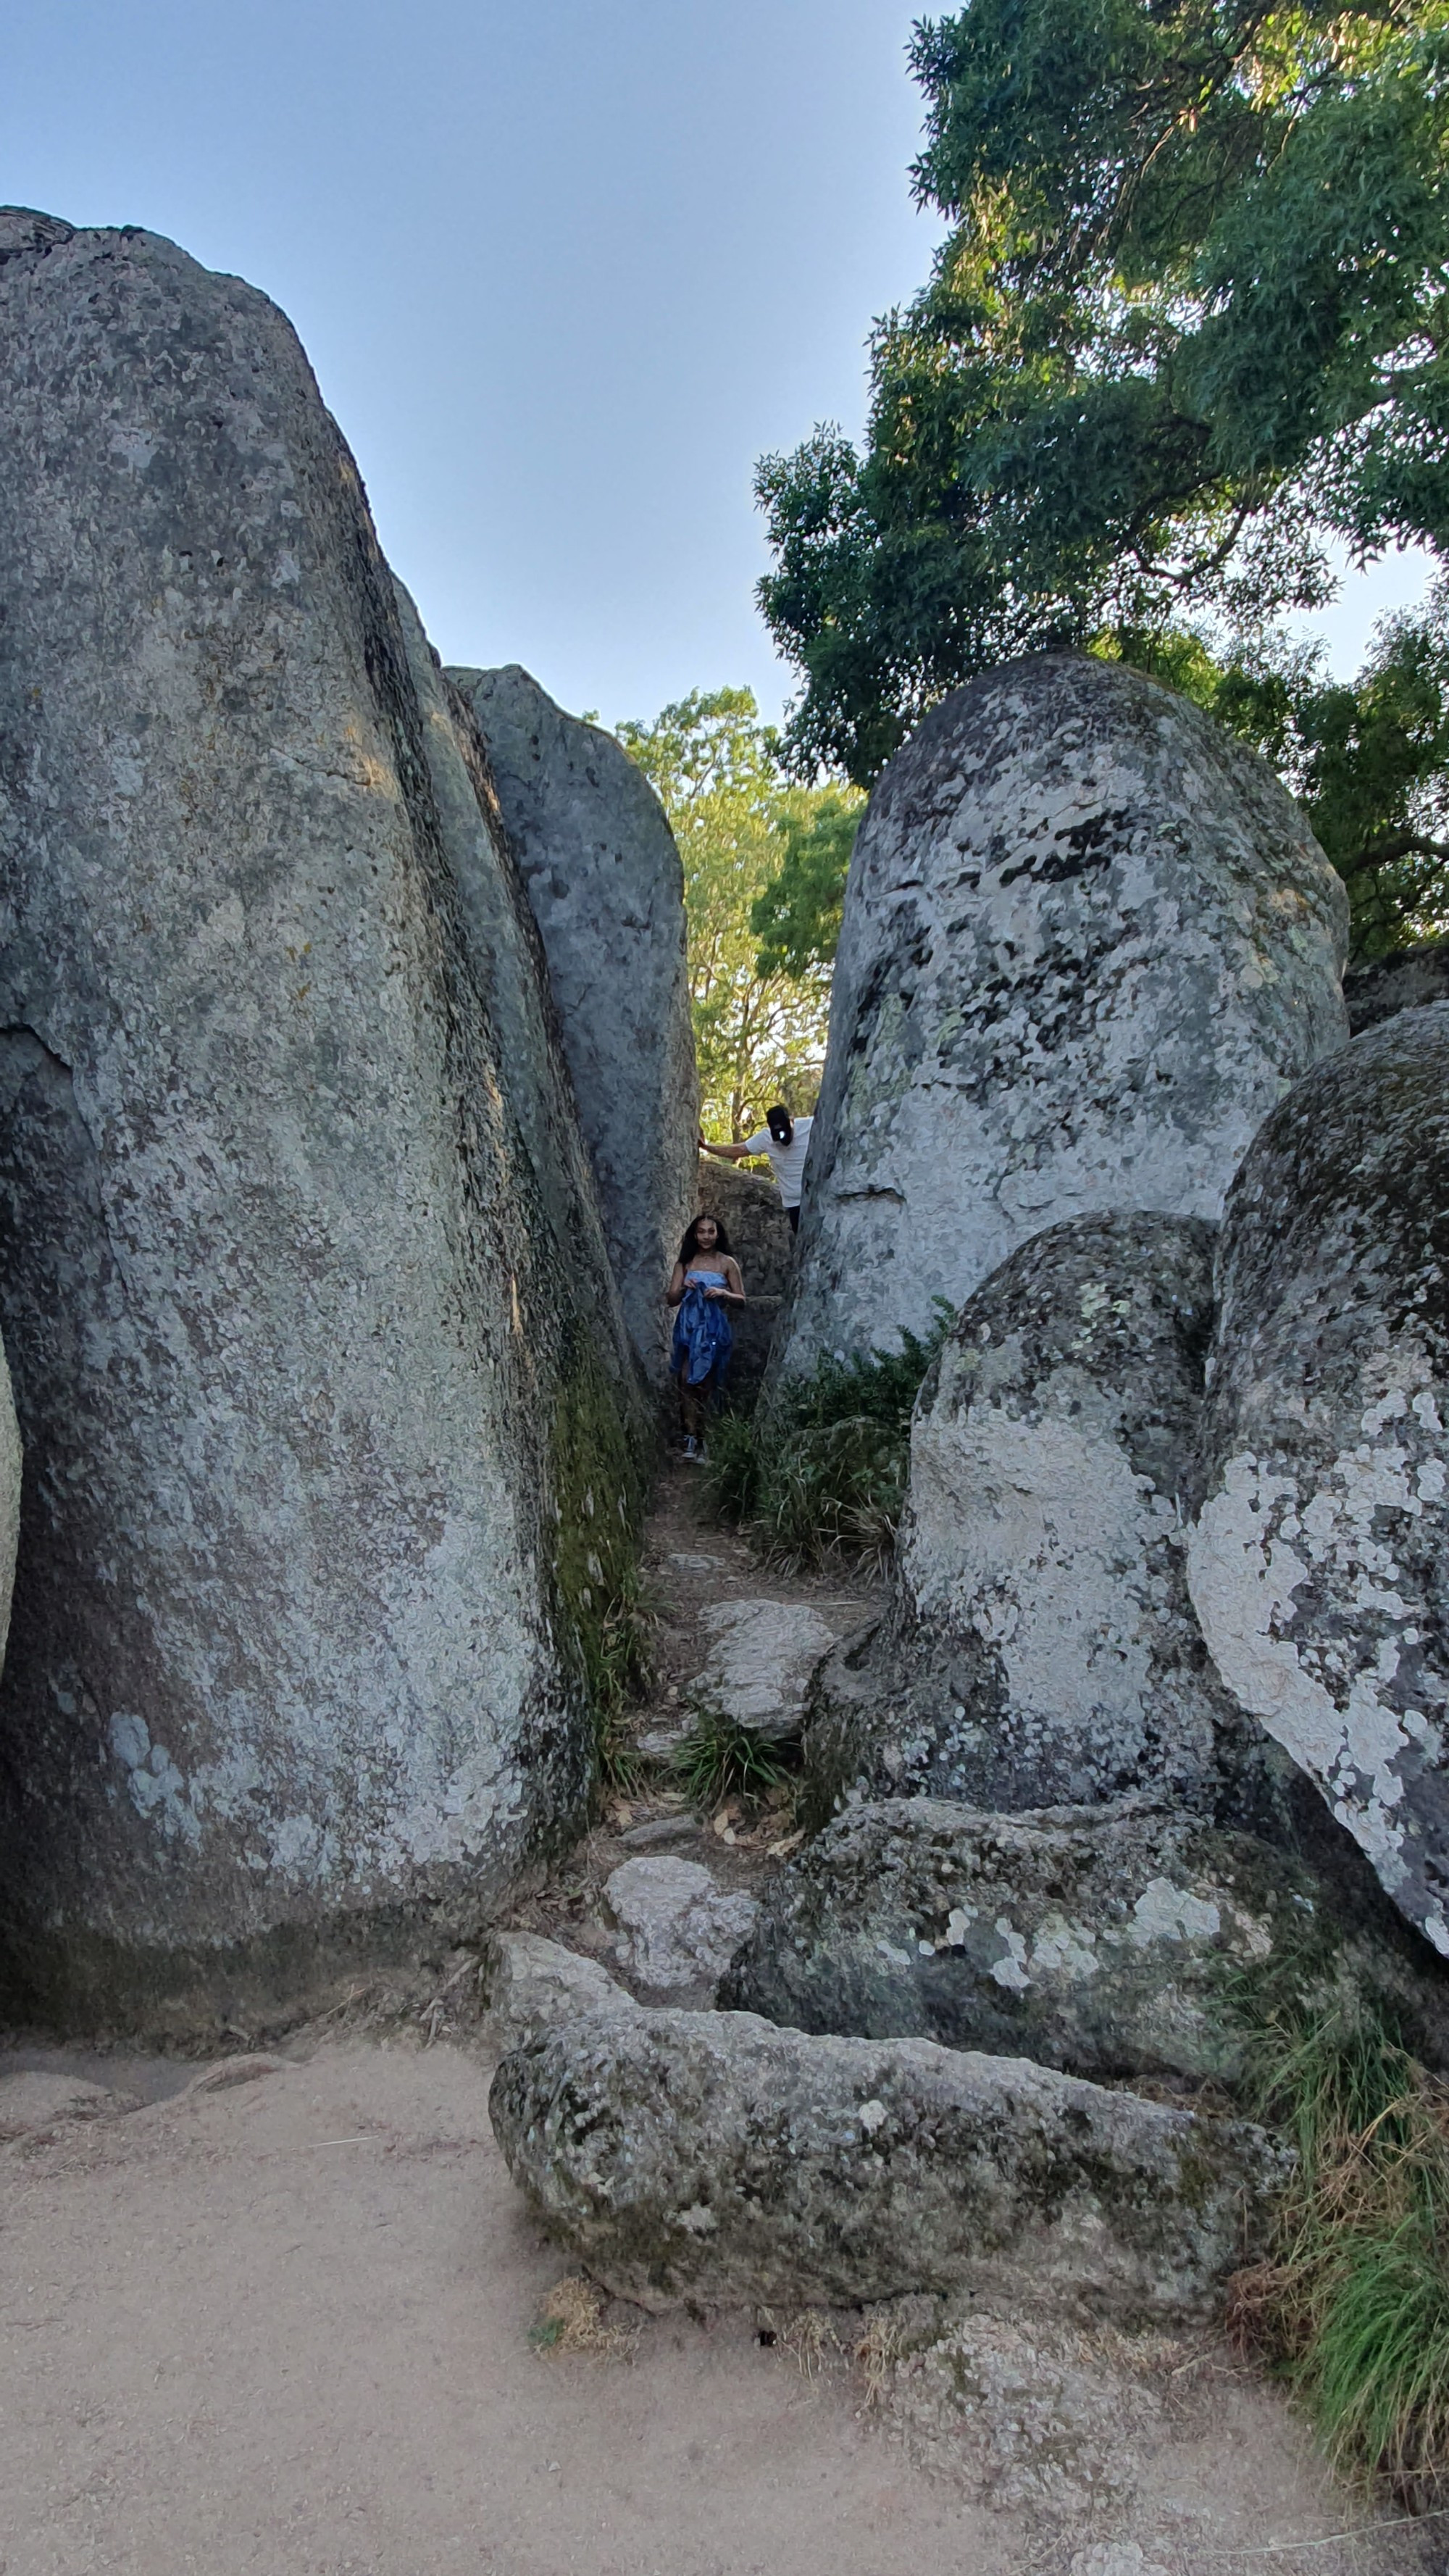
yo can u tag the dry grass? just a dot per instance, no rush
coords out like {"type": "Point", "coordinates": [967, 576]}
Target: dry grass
{"type": "Point", "coordinates": [571, 2319]}
{"type": "Point", "coordinates": [808, 2336]}
{"type": "Point", "coordinates": [876, 2355]}
{"type": "Point", "coordinates": [1353, 2303]}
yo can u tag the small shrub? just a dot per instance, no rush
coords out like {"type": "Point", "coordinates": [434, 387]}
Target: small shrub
{"type": "Point", "coordinates": [719, 1758]}
{"type": "Point", "coordinates": [822, 1471]}
{"type": "Point", "coordinates": [1353, 2303]}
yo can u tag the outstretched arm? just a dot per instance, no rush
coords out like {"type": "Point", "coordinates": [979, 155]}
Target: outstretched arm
{"type": "Point", "coordinates": [728, 1153]}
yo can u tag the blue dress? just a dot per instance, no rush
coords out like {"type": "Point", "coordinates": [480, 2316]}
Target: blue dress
{"type": "Point", "coordinates": [702, 1336]}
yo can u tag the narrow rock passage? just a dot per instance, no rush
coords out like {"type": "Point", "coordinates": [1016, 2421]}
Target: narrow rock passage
{"type": "Point", "coordinates": [692, 1567]}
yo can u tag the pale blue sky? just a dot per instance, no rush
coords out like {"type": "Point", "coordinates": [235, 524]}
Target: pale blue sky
{"type": "Point", "coordinates": [564, 270]}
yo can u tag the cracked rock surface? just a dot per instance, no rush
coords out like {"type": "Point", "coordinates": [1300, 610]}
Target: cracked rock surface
{"type": "Point", "coordinates": [763, 1657]}
{"type": "Point", "coordinates": [1088, 942]}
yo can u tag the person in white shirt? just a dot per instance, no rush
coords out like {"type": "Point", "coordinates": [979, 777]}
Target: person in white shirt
{"type": "Point", "coordinates": [787, 1142]}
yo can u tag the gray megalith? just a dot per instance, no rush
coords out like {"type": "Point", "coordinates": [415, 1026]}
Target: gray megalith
{"type": "Point", "coordinates": [315, 1352]}
{"type": "Point", "coordinates": [1107, 1941]}
{"type": "Point", "coordinates": [1088, 942]}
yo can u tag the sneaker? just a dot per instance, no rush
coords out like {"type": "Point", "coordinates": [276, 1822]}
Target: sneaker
{"type": "Point", "coordinates": [691, 1447]}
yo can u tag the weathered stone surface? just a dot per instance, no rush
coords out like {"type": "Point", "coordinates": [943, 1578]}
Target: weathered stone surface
{"type": "Point", "coordinates": [1391, 984]}
{"type": "Point", "coordinates": [1319, 1565]}
{"type": "Point", "coordinates": [1039, 1647]}
{"type": "Point", "coordinates": [1105, 1942]}
{"type": "Point", "coordinates": [11, 1465]}
{"type": "Point", "coordinates": [759, 1232]}
{"type": "Point", "coordinates": [309, 1339]}
{"type": "Point", "coordinates": [1029, 2413]}
{"type": "Point", "coordinates": [711, 2156]}
{"type": "Point", "coordinates": [529, 1984]}
{"type": "Point", "coordinates": [677, 1927]}
{"type": "Point", "coordinates": [1088, 942]}
{"type": "Point", "coordinates": [763, 1656]}
{"type": "Point", "coordinates": [603, 877]}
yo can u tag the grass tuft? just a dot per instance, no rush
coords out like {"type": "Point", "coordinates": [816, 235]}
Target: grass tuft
{"type": "Point", "coordinates": [1353, 2302]}
{"type": "Point", "coordinates": [719, 1758]}
{"type": "Point", "coordinates": [618, 1672]}
{"type": "Point", "coordinates": [822, 1471]}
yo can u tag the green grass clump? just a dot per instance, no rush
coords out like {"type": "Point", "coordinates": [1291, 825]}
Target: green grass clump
{"type": "Point", "coordinates": [719, 1758]}
{"type": "Point", "coordinates": [822, 1470]}
{"type": "Point", "coordinates": [618, 1672]}
{"type": "Point", "coordinates": [1353, 2302]}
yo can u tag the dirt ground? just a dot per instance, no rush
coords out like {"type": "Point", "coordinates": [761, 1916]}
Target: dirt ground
{"type": "Point", "coordinates": [280, 2318]}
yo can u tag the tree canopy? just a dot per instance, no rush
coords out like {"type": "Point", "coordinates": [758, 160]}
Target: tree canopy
{"type": "Point", "coordinates": [1368, 758]}
{"type": "Point", "coordinates": [754, 844]}
{"type": "Point", "coordinates": [1190, 320]}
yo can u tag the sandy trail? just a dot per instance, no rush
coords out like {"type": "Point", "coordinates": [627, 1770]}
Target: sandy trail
{"type": "Point", "coordinates": [282, 2329]}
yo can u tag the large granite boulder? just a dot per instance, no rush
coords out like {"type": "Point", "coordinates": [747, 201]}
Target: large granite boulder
{"type": "Point", "coordinates": [1088, 943]}
{"type": "Point", "coordinates": [1319, 1565]}
{"type": "Point", "coordinates": [317, 1357]}
{"type": "Point", "coordinates": [1106, 1941]}
{"type": "Point", "coordinates": [1039, 1646]}
{"type": "Point", "coordinates": [603, 877]}
{"type": "Point", "coordinates": [712, 2157]}
{"type": "Point", "coordinates": [753, 1215]}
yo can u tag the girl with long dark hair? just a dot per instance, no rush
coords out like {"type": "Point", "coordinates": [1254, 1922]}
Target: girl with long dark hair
{"type": "Point", "coordinates": [705, 1284]}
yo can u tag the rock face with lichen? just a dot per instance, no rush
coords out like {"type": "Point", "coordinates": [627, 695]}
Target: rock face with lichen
{"type": "Point", "coordinates": [1108, 1941]}
{"type": "Point", "coordinates": [321, 1374]}
{"type": "Point", "coordinates": [1319, 1564]}
{"type": "Point", "coordinates": [1039, 1647]}
{"type": "Point", "coordinates": [711, 2156]}
{"type": "Point", "coordinates": [1088, 943]}
{"type": "Point", "coordinates": [603, 877]}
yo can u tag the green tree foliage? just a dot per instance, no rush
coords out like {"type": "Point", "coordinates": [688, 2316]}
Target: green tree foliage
{"type": "Point", "coordinates": [1369, 758]}
{"type": "Point", "coordinates": [1190, 317]}
{"type": "Point", "coordinates": [797, 918]}
{"type": "Point", "coordinates": [759, 1021]}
